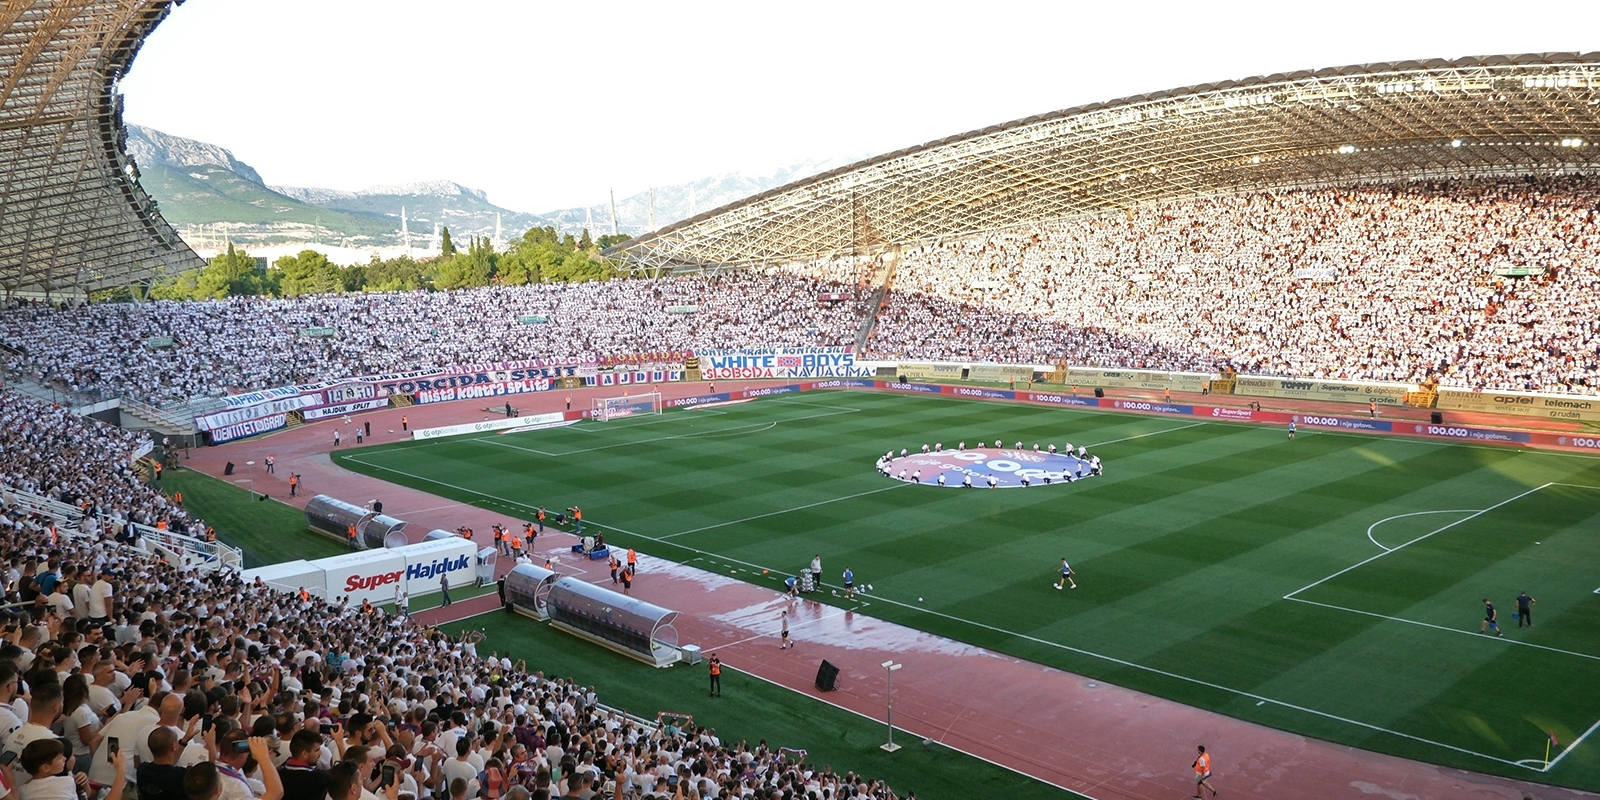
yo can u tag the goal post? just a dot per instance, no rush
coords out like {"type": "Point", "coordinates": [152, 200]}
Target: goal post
{"type": "Point", "coordinates": [609, 408]}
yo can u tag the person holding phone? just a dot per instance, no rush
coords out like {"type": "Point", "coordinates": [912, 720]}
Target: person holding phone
{"type": "Point", "coordinates": [46, 762]}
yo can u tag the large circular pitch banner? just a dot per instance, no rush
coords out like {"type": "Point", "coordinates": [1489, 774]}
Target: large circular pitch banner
{"type": "Point", "coordinates": [1008, 468]}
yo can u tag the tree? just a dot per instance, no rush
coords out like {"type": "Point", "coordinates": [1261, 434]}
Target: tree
{"type": "Point", "coordinates": [584, 242]}
{"type": "Point", "coordinates": [447, 248]}
{"type": "Point", "coordinates": [612, 240]}
{"type": "Point", "coordinates": [309, 272]}
{"type": "Point", "coordinates": [470, 269]}
{"type": "Point", "coordinates": [230, 274]}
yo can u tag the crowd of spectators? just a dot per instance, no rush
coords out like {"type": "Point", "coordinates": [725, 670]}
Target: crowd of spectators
{"type": "Point", "coordinates": [1391, 283]}
{"type": "Point", "coordinates": [222, 689]}
{"type": "Point", "coordinates": [249, 343]}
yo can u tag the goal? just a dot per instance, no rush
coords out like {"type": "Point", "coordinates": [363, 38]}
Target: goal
{"type": "Point", "coordinates": [609, 408]}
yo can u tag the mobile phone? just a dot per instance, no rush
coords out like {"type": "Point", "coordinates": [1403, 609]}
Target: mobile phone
{"type": "Point", "coordinates": [241, 746]}
{"type": "Point", "coordinates": [6, 758]}
{"type": "Point", "coordinates": [388, 775]}
{"type": "Point", "coordinates": [672, 779]}
{"type": "Point", "coordinates": [113, 747]}
{"type": "Point", "coordinates": [205, 722]}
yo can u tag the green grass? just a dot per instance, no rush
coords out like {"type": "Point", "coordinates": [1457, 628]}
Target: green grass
{"type": "Point", "coordinates": [752, 709]}
{"type": "Point", "coordinates": [1185, 550]}
{"type": "Point", "coordinates": [269, 532]}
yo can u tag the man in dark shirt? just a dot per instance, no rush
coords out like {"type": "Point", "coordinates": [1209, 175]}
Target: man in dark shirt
{"type": "Point", "coordinates": [1491, 619]}
{"type": "Point", "coordinates": [161, 778]}
{"type": "Point", "coordinates": [1525, 609]}
{"type": "Point", "coordinates": [301, 778]}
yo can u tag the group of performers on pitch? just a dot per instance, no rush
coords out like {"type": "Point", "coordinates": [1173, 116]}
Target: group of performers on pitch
{"type": "Point", "coordinates": [1087, 464]}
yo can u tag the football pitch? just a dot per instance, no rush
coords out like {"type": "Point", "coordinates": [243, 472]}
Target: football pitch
{"type": "Point", "coordinates": [1332, 585]}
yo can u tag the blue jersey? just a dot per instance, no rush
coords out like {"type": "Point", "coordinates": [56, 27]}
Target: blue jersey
{"type": "Point", "coordinates": [849, 576]}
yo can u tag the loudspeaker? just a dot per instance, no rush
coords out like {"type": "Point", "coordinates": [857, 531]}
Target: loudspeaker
{"type": "Point", "coordinates": [1436, 417]}
{"type": "Point", "coordinates": [827, 676]}
{"type": "Point", "coordinates": [1099, 392]}
{"type": "Point", "coordinates": [228, 470]}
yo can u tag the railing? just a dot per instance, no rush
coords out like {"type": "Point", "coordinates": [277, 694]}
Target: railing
{"type": "Point", "coordinates": [178, 418]}
{"type": "Point", "coordinates": [65, 515]}
{"type": "Point", "coordinates": [191, 552]}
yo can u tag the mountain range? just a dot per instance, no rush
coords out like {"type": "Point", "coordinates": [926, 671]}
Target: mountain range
{"type": "Point", "coordinates": [212, 197]}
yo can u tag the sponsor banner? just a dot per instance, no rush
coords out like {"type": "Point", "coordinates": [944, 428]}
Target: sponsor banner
{"type": "Point", "coordinates": [1158, 408]}
{"type": "Point", "coordinates": [1008, 467]}
{"type": "Point", "coordinates": [489, 425]}
{"type": "Point", "coordinates": [1387, 394]}
{"type": "Point", "coordinates": [927, 388]}
{"type": "Point", "coordinates": [526, 428]}
{"type": "Point", "coordinates": [976, 391]}
{"type": "Point", "coordinates": [1589, 443]}
{"type": "Point", "coordinates": [780, 362]}
{"type": "Point", "coordinates": [929, 372]}
{"type": "Point", "coordinates": [1242, 414]}
{"type": "Point", "coordinates": [700, 399]}
{"type": "Point", "coordinates": [250, 428]}
{"type": "Point", "coordinates": [427, 562]}
{"type": "Point", "coordinates": [1549, 406]}
{"type": "Point", "coordinates": [1344, 423]}
{"type": "Point", "coordinates": [1000, 373]}
{"type": "Point", "coordinates": [1109, 378]}
{"type": "Point", "coordinates": [1059, 399]}
{"type": "Point", "coordinates": [847, 383]}
{"type": "Point", "coordinates": [481, 390]}
{"type": "Point", "coordinates": [1464, 432]}
{"type": "Point", "coordinates": [769, 391]}
{"type": "Point", "coordinates": [343, 408]}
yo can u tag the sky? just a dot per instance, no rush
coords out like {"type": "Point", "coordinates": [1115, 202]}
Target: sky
{"type": "Point", "coordinates": [546, 105]}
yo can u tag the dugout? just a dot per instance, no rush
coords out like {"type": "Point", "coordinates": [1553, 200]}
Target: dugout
{"type": "Point", "coordinates": [437, 534]}
{"type": "Point", "coordinates": [627, 625]}
{"type": "Point", "coordinates": [528, 589]}
{"type": "Point", "coordinates": [333, 517]}
{"type": "Point", "coordinates": [384, 531]}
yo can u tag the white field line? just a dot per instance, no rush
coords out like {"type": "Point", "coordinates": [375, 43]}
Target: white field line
{"type": "Point", "coordinates": [1486, 638]}
{"type": "Point", "coordinates": [1363, 562]}
{"type": "Point", "coordinates": [1143, 435]}
{"type": "Point", "coordinates": [783, 511]}
{"type": "Point", "coordinates": [1412, 514]}
{"type": "Point", "coordinates": [1569, 748]}
{"type": "Point", "coordinates": [1023, 636]}
{"type": "Point", "coordinates": [753, 427]}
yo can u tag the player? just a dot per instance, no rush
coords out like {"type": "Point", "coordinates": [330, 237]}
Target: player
{"type": "Point", "coordinates": [1066, 575]}
{"type": "Point", "coordinates": [902, 474]}
{"type": "Point", "coordinates": [816, 569]}
{"type": "Point", "coordinates": [1202, 772]}
{"type": "Point", "coordinates": [1291, 429]}
{"type": "Point", "coordinates": [916, 476]}
{"type": "Point", "coordinates": [1047, 479]}
{"type": "Point", "coordinates": [1082, 451]}
{"type": "Point", "coordinates": [1491, 619]}
{"type": "Point", "coordinates": [941, 479]}
{"type": "Point", "coordinates": [1024, 481]}
{"type": "Point", "coordinates": [994, 483]}
{"type": "Point", "coordinates": [1094, 465]}
{"type": "Point", "coordinates": [966, 483]}
{"type": "Point", "coordinates": [784, 643]}
{"type": "Point", "coordinates": [792, 587]}
{"type": "Point", "coordinates": [849, 583]}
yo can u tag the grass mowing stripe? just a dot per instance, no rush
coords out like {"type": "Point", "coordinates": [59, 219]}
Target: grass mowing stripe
{"type": "Point", "coordinates": [1192, 539]}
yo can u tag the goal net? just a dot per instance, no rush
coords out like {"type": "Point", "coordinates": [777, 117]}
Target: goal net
{"type": "Point", "coordinates": [609, 408]}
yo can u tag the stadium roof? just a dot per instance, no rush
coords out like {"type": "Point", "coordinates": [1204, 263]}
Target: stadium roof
{"type": "Point", "coordinates": [72, 215]}
{"type": "Point", "coordinates": [1483, 116]}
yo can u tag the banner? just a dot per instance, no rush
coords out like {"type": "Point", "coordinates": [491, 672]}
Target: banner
{"type": "Point", "coordinates": [250, 428]}
{"type": "Point", "coordinates": [490, 425]}
{"type": "Point", "coordinates": [532, 319]}
{"type": "Point", "coordinates": [317, 333]}
{"type": "Point", "coordinates": [481, 390]}
{"type": "Point", "coordinates": [779, 362]}
{"type": "Point", "coordinates": [343, 408]}
{"type": "Point", "coordinates": [1001, 373]}
{"type": "Point", "coordinates": [1522, 404]}
{"type": "Point", "coordinates": [929, 372]}
{"type": "Point", "coordinates": [223, 419]}
{"type": "Point", "coordinates": [158, 342]}
{"type": "Point", "coordinates": [1136, 379]}
{"type": "Point", "coordinates": [350, 392]}
{"type": "Point", "coordinates": [1387, 394]}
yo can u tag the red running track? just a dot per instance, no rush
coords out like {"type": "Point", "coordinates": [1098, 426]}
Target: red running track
{"type": "Point", "coordinates": [1103, 741]}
